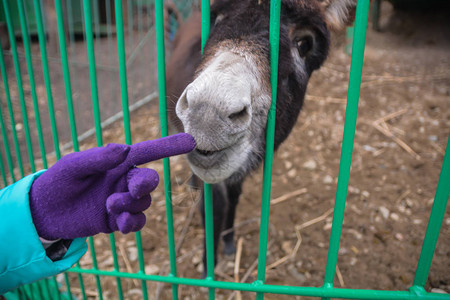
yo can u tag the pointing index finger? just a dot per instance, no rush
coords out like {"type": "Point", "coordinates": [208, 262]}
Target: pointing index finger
{"type": "Point", "coordinates": [148, 151]}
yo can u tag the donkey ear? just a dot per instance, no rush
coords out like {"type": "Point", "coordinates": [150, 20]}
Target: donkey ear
{"type": "Point", "coordinates": [339, 13]}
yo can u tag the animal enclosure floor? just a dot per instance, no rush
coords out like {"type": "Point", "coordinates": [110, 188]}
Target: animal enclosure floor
{"type": "Point", "coordinates": [402, 131]}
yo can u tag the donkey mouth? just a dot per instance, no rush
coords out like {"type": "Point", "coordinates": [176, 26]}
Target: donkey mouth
{"type": "Point", "coordinates": [207, 159]}
{"type": "Point", "coordinates": [213, 166]}
{"type": "Point", "coordinates": [206, 152]}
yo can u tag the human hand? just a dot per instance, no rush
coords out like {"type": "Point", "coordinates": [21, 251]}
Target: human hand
{"type": "Point", "coordinates": [100, 189]}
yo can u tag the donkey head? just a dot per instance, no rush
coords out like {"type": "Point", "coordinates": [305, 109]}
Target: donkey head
{"type": "Point", "coordinates": [225, 107]}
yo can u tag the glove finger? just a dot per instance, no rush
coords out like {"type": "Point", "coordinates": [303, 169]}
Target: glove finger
{"type": "Point", "coordinates": [127, 222]}
{"type": "Point", "coordinates": [142, 181]}
{"type": "Point", "coordinates": [118, 203]}
{"type": "Point", "coordinates": [97, 160]}
{"type": "Point", "coordinates": [148, 151]}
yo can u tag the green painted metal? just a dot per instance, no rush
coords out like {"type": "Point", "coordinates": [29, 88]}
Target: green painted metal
{"type": "Point", "coordinates": [130, 33]}
{"type": "Point", "coordinates": [3, 172]}
{"type": "Point", "coordinates": [67, 281]}
{"type": "Point", "coordinates": [12, 122]}
{"type": "Point", "coordinates": [276, 289]}
{"type": "Point", "coordinates": [98, 133]}
{"type": "Point", "coordinates": [209, 233]}
{"type": "Point", "coordinates": [7, 151]}
{"type": "Point", "coordinates": [435, 222]}
{"type": "Point", "coordinates": [56, 293]}
{"type": "Point", "coordinates": [122, 69]}
{"type": "Point", "coordinates": [26, 45]}
{"type": "Point", "coordinates": [46, 289]}
{"type": "Point", "coordinates": [139, 18]}
{"type": "Point", "coordinates": [206, 23]}
{"type": "Point", "coordinates": [126, 112]}
{"type": "Point", "coordinates": [92, 71]}
{"type": "Point", "coordinates": [66, 74]}
{"type": "Point", "coordinates": [96, 18]}
{"type": "Point", "coordinates": [13, 12]}
{"type": "Point", "coordinates": [160, 48]}
{"type": "Point", "coordinates": [2, 166]}
{"type": "Point", "coordinates": [348, 138]}
{"type": "Point", "coordinates": [46, 74]}
{"type": "Point", "coordinates": [112, 240]}
{"type": "Point", "coordinates": [141, 264]}
{"type": "Point", "coordinates": [69, 100]}
{"type": "Point", "coordinates": [95, 267]}
{"type": "Point", "coordinates": [376, 15]}
{"type": "Point", "coordinates": [81, 281]}
{"type": "Point", "coordinates": [274, 39]}
{"type": "Point", "coordinates": [23, 106]}
{"type": "Point", "coordinates": [209, 221]}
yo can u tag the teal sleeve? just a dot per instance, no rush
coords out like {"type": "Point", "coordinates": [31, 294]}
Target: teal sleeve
{"type": "Point", "coordinates": [22, 256]}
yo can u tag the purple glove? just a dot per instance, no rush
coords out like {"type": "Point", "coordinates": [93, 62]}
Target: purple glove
{"type": "Point", "coordinates": [100, 189]}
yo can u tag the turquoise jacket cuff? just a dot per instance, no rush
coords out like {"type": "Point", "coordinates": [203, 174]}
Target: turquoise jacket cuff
{"type": "Point", "coordinates": [22, 256]}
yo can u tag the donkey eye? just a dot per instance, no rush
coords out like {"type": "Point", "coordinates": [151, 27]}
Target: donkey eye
{"type": "Point", "coordinates": [304, 45]}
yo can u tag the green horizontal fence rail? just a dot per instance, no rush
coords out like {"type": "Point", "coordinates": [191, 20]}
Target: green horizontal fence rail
{"type": "Point", "coordinates": [51, 288]}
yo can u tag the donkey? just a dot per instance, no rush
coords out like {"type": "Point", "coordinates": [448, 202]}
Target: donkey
{"type": "Point", "coordinates": [222, 98]}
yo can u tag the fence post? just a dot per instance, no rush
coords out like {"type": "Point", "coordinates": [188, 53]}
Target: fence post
{"type": "Point", "coordinates": [354, 86]}
{"type": "Point", "coordinates": [274, 39]}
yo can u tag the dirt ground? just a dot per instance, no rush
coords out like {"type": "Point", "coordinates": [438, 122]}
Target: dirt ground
{"type": "Point", "coordinates": [402, 131]}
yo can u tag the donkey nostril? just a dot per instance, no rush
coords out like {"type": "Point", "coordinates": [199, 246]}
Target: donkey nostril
{"type": "Point", "coordinates": [238, 115]}
{"type": "Point", "coordinates": [182, 104]}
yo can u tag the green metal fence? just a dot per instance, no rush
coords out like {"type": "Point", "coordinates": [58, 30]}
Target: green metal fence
{"type": "Point", "coordinates": [51, 289]}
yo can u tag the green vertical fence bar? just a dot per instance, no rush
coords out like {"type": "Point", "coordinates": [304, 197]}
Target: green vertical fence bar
{"type": "Point", "coordinates": [36, 291]}
{"type": "Point", "coordinates": [348, 137]}
{"type": "Point", "coordinates": [206, 23]}
{"type": "Point", "coordinates": [2, 168]}
{"type": "Point", "coordinates": [7, 150]}
{"type": "Point", "coordinates": [126, 124]}
{"type": "Point", "coordinates": [82, 289]}
{"type": "Point", "coordinates": [126, 116]}
{"type": "Point", "coordinates": [130, 24]}
{"type": "Point", "coordinates": [96, 19]}
{"type": "Point", "coordinates": [434, 224]}
{"type": "Point", "coordinates": [130, 40]}
{"type": "Point", "coordinates": [23, 106]}
{"type": "Point", "coordinates": [376, 15]}
{"type": "Point", "coordinates": [70, 23]}
{"type": "Point", "coordinates": [72, 42]}
{"type": "Point", "coordinates": [27, 290]}
{"type": "Point", "coordinates": [122, 69]}
{"type": "Point", "coordinates": [67, 281]}
{"type": "Point", "coordinates": [209, 222]}
{"type": "Point", "coordinates": [108, 21]}
{"type": "Point", "coordinates": [209, 233]}
{"type": "Point", "coordinates": [92, 70]}
{"type": "Point", "coordinates": [95, 267]}
{"type": "Point", "coordinates": [27, 48]}
{"type": "Point", "coordinates": [274, 38]}
{"type": "Point", "coordinates": [112, 241]}
{"type": "Point", "coordinates": [66, 73]}
{"type": "Point", "coordinates": [139, 18]}
{"type": "Point", "coordinates": [69, 99]}
{"type": "Point", "coordinates": [45, 288]}
{"type": "Point", "coordinates": [12, 122]}
{"type": "Point", "coordinates": [109, 35]}
{"type": "Point", "coordinates": [98, 128]}
{"type": "Point", "coordinates": [46, 73]}
{"type": "Point", "coordinates": [55, 286]}
{"type": "Point", "coordinates": [160, 47]}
